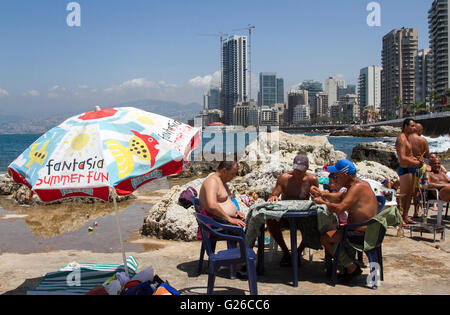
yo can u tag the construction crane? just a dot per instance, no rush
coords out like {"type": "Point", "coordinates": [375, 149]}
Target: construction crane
{"type": "Point", "coordinates": [221, 36]}
{"type": "Point", "coordinates": [249, 29]}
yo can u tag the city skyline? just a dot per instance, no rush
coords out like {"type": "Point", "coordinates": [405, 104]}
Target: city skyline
{"type": "Point", "coordinates": [123, 52]}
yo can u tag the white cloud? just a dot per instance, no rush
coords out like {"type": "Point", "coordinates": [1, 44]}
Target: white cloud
{"type": "Point", "coordinates": [3, 93]}
{"type": "Point", "coordinates": [56, 91]}
{"type": "Point", "coordinates": [205, 81]}
{"type": "Point", "coordinates": [32, 93]}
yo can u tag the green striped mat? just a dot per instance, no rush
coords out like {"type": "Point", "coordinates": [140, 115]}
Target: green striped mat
{"type": "Point", "coordinates": [76, 279]}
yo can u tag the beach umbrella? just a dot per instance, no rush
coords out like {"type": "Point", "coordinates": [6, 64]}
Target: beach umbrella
{"type": "Point", "coordinates": [102, 151]}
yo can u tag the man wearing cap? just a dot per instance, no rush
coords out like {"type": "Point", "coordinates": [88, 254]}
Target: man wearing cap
{"type": "Point", "coordinates": [359, 201]}
{"type": "Point", "coordinates": [293, 185]}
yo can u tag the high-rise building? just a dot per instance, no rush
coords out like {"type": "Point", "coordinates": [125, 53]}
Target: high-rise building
{"type": "Point", "coordinates": [240, 114]}
{"type": "Point", "coordinates": [214, 98]}
{"type": "Point", "coordinates": [301, 114]}
{"type": "Point", "coordinates": [398, 73]}
{"type": "Point", "coordinates": [424, 75]}
{"type": "Point", "coordinates": [343, 91]}
{"type": "Point", "coordinates": [349, 109]}
{"type": "Point", "coordinates": [313, 87]}
{"type": "Point", "coordinates": [369, 91]}
{"type": "Point", "coordinates": [439, 41]}
{"type": "Point", "coordinates": [296, 97]}
{"type": "Point", "coordinates": [280, 91]}
{"type": "Point", "coordinates": [234, 74]}
{"type": "Point", "coordinates": [267, 89]}
{"type": "Point", "coordinates": [211, 100]}
{"type": "Point", "coordinates": [322, 108]}
{"type": "Point", "coordinates": [330, 88]}
{"type": "Point", "coordinates": [271, 89]}
{"type": "Point", "coordinates": [268, 116]}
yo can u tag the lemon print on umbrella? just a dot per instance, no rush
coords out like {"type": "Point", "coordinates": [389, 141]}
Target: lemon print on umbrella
{"type": "Point", "coordinates": [37, 156]}
{"type": "Point", "coordinates": [140, 146]}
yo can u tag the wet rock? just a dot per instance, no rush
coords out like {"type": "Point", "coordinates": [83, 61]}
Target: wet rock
{"type": "Point", "coordinates": [377, 152]}
{"type": "Point", "coordinates": [371, 132]}
{"type": "Point", "coordinates": [374, 170]}
{"type": "Point", "coordinates": [24, 196]}
{"type": "Point", "coordinates": [7, 185]}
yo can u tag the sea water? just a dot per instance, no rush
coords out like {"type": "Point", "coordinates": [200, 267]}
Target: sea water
{"type": "Point", "coordinates": [11, 146]}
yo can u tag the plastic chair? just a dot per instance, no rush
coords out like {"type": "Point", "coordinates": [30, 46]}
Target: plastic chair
{"type": "Point", "coordinates": [427, 201]}
{"type": "Point", "coordinates": [213, 239]}
{"type": "Point", "coordinates": [381, 202]}
{"type": "Point", "coordinates": [228, 257]}
{"type": "Point", "coordinates": [374, 255]}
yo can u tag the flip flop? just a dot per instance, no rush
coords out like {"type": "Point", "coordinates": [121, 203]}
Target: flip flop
{"type": "Point", "coordinates": [410, 221]}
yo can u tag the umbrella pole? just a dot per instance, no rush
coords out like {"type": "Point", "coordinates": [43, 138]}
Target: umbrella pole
{"type": "Point", "coordinates": [120, 237]}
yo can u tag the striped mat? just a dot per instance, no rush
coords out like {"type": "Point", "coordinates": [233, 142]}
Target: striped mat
{"type": "Point", "coordinates": [78, 279]}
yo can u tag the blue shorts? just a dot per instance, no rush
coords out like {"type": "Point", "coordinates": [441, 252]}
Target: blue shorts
{"type": "Point", "coordinates": [406, 170]}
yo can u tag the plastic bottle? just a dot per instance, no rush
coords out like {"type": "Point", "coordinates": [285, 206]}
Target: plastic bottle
{"type": "Point", "coordinates": [400, 232]}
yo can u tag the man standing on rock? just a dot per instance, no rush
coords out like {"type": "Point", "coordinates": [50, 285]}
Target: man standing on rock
{"type": "Point", "coordinates": [408, 165]}
{"type": "Point", "coordinates": [293, 185]}
{"type": "Point", "coordinates": [215, 196]}
{"type": "Point", "coordinates": [420, 150]}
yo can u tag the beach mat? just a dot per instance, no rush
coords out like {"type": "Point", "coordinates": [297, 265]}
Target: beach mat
{"type": "Point", "coordinates": [68, 281]}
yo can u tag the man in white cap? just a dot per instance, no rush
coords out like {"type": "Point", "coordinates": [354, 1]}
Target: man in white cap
{"type": "Point", "coordinates": [293, 185]}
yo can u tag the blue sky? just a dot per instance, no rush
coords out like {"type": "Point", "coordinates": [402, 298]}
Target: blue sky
{"type": "Point", "coordinates": [137, 49]}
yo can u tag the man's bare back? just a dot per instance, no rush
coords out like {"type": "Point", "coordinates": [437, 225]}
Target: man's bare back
{"type": "Point", "coordinates": [419, 146]}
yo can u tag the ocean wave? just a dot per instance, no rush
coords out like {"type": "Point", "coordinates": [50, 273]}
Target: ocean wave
{"type": "Point", "coordinates": [439, 144]}
{"type": "Point", "coordinates": [436, 145]}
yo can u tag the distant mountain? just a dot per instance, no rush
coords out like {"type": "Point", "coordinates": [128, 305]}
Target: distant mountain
{"type": "Point", "coordinates": [173, 110]}
{"type": "Point", "coordinates": [15, 124]}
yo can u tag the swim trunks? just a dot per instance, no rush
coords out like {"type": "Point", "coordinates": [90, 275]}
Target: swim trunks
{"type": "Point", "coordinates": [418, 175]}
{"type": "Point", "coordinates": [406, 170]}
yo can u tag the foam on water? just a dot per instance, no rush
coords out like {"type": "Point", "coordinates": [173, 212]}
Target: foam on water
{"type": "Point", "coordinates": [436, 145]}
{"type": "Point", "coordinates": [439, 144]}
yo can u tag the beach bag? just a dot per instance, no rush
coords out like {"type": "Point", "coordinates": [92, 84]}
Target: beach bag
{"type": "Point", "coordinates": [186, 197]}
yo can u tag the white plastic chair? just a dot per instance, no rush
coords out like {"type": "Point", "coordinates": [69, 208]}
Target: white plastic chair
{"type": "Point", "coordinates": [427, 202]}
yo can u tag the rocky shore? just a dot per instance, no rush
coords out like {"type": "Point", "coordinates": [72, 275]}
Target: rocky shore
{"type": "Point", "coordinates": [24, 196]}
{"type": "Point", "coordinates": [377, 152]}
{"type": "Point", "coordinates": [264, 160]}
{"type": "Point", "coordinates": [370, 132]}
{"type": "Point", "coordinates": [270, 155]}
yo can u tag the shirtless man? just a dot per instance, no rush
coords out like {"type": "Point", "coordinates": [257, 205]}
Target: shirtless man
{"type": "Point", "coordinates": [293, 185]}
{"type": "Point", "coordinates": [420, 150]}
{"type": "Point", "coordinates": [215, 196]}
{"type": "Point", "coordinates": [432, 157]}
{"type": "Point", "coordinates": [407, 169]}
{"type": "Point", "coordinates": [359, 201]}
{"type": "Point", "coordinates": [438, 179]}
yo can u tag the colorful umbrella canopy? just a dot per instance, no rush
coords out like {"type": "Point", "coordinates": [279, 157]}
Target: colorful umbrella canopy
{"type": "Point", "coordinates": [90, 154]}
{"type": "Point", "coordinates": [87, 154]}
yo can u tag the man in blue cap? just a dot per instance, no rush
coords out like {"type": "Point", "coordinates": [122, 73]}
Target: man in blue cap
{"type": "Point", "coordinates": [359, 201]}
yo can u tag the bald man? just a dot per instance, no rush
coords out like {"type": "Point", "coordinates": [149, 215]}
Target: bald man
{"type": "Point", "coordinates": [420, 150]}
